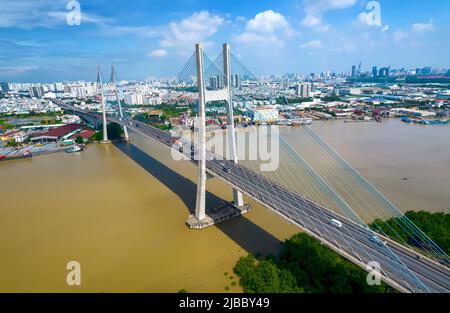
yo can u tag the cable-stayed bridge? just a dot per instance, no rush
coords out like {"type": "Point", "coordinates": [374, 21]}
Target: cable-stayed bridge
{"type": "Point", "coordinates": [296, 190]}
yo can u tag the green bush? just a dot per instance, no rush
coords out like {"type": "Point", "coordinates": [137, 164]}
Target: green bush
{"type": "Point", "coordinates": [304, 265]}
{"type": "Point", "coordinates": [435, 225]}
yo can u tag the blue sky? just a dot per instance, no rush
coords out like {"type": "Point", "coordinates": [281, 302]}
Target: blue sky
{"type": "Point", "coordinates": [146, 38]}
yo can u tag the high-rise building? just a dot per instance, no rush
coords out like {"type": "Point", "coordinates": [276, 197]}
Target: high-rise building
{"type": "Point", "coordinates": [59, 87]}
{"type": "Point", "coordinates": [426, 71]}
{"type": "Point", "coordinates": [303, 90]}
{"type": "Point", "coordinates": [4, 88]}
{"type": "Point", "coordinates": [37, 92]}
{"type": "Point", "coordinates": [237, 81]}
{"type": "Point", "coordinates": [134, 99]}
{"type": "Point", "coordinates": [213, 83]}
{"type": "Point", "coordinates": [374, 71]}
{"type": "Point", "coordinates": [354, 71]}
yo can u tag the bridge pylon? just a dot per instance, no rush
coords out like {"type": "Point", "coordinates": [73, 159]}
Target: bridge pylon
{"type": "Point", "coordinates": [228, 210]}
{"type": "Point", "coordinates": [102, 93]}
{"type": "Point", "coordinates": [116, 92]}
{"type": "Point", "coordinates": [237, 195]}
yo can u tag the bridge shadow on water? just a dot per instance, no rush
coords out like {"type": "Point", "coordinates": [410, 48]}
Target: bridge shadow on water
{"type": "Point", "coordinates": [241, 230]}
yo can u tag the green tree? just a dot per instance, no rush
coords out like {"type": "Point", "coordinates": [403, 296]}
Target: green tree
{"type": "Point", "coordinates": [264, 276]}
{"type": "Point", "coordinates": [98, 136]}
{"type": "Point", "coordinates": [79, 140]}
{"type": "Point", "coordinates": [435, 225]}
{"type": "Point", "coordinates": [304, 265]}
{"type": "Point", "coordinates": [12, 143]}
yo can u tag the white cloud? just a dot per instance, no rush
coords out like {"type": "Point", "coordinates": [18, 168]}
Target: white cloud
{"type": "Point", "coordinates": [16, 70]}
{"type": "Point", "coordinates": [24, 14]}
{"type": "Point", "coordinates": [240, 19]}
{"type": "Point", "coordinates": [423, 27]}
{"type": "Point", "coordinates": [29, 14]}
{"type": "Point", "coordinates": [364, 20]}
{"type": "Point", "coordinates": [399, 35]}
{"type": "Point", "coordinates": [316, 22]}
{"type": "Point", "coordinates": [315, 8]}
{"type": "Point", "coordinates": [311, 20]}
{"type": "Point", "coordinates": [318, 6]}
{"type": "Point", "coordinates": [313, 44]}
{"type": "Point", "coordinates": [266, 27]}
{"type": "Point", "coordinates": [141, 31]}
{"type": "Point", "coordinates": [84, 18]}
{"type": "Point", "coordinates": [196, 28]}
{"type": "Point", "coordinates": [158, 53]}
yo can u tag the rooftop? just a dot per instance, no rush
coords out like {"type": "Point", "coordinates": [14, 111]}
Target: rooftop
{"type": "Point", "coordinates": [60, 131]}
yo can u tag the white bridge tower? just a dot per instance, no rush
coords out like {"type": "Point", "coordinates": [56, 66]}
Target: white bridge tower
{"type": "Point", "coordinates": [205, 96]}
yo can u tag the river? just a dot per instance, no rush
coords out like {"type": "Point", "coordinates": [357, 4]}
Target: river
{"type": "Point", "coordinates": [119, 210]}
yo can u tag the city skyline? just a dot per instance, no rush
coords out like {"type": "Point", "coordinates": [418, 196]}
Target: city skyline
{"type": "Point", "coordinates": [153, 39]}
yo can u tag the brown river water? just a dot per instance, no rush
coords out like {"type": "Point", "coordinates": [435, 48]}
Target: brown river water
{"type": "Point", "coordinates": [120, 210]}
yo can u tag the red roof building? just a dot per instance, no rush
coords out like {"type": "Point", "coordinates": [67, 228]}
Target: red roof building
{"type": "Point", "coordinates": [57, 133]}
{"type": "Point", "coordinates": [85, 134]}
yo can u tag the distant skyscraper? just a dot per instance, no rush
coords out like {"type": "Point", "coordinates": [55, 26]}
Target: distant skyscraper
{"type": "Point", "coordinates": [4, 88]}
{"type": "Point", "coordinates": [426, 71]}
{"type": "Point", "coordinates": [37, 92]}
{"type": "Point", "coordinates": [220, 81]}
{"type": "Point", "coordinates": [374, 71]}
{"type": "Point", "coordinates": [303, 90]}
{"type": "Point", "coordinates": [358, 73]}
{"type": "Point", "coordinates": [237, 81]}
{"type": "Point", "coordinates": [213, 83]}
{"type": "Point", "coordinates": [354, 71]}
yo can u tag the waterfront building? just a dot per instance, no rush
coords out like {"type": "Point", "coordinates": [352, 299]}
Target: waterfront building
{"type": "Point", "coordinates": [16, 135]}
{"type": "Point", "coordinates": [265, 115]}
{"type": "Point", "coordinates": [56, 134]}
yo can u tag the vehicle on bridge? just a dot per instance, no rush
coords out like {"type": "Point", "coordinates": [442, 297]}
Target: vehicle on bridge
{"type": "Point", "coordinates": [378, 241]}
{"type": "Point", "coordinates": [226, 169]}
{"type": "Point", "coordinates": [334, 222]}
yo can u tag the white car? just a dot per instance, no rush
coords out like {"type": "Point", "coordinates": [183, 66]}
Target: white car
{"type": "Point", "coordinates": [378, 241]}
{"type": "Point", "coordinates": [335, 223]}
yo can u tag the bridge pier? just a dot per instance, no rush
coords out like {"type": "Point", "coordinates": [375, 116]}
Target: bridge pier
{"type": "Point", "coordinates": [229, 210]}
{"type": "Point", "coordinates": [216, 215]}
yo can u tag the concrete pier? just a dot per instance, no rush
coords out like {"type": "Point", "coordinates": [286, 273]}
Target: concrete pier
{"type": "Point", "coordinates": [217, 215]}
